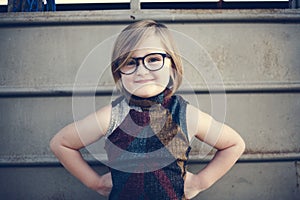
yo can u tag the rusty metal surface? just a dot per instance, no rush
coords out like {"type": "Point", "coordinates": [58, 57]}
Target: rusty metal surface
{"type": "Point", "coordinates": [268, 60]}
{"type": "Point", "coordinates": [246, 181]}
{"type": "Point", "coordinates": [252, 181]}
{"type": "Point", "coordinates": [268, 123]}
{"type": "Point", "coordinates": [256, 52]}
{"type": "Point", "coordinates": [125, 16]}
{"type": "Point", "coordinates": [53, 183]}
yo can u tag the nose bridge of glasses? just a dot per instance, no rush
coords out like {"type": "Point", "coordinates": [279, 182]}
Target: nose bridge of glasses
{"type": "Point", "coordinates": [139, 60]}
{"type": "Point", "coordinates": [141, 66]}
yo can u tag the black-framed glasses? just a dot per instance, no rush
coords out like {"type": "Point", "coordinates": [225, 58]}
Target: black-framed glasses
{"type": "Point", "coordinates": [152, 62]}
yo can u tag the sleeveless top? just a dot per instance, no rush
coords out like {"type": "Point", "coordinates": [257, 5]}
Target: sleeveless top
{"type": "Point", "coordinates": [147, 149]}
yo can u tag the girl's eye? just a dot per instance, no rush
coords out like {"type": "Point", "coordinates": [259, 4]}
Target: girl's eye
{"type": "Point", "coordinates": [131, 63]}
{"type": "Point", "coordinates": [153, 59]}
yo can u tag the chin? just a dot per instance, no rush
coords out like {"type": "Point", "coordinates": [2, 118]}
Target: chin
{"type": "Point", "coordinates": [148, 91]}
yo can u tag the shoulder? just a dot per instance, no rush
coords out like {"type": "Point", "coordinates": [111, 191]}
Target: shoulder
{"type": "Point", "coordinates": [105, 113]}
{"type": "Point", "coordinates": [198, 122]}
{"type": "Point", "coordinates": [194, 113]}
{"type": "Point", "coordinates": [103, 116]}
{"type": "Point", "coordinates": [113, 114]}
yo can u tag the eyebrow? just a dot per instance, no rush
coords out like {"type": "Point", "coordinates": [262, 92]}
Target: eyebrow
{"type": "Point", "coordinates": [163, 52]}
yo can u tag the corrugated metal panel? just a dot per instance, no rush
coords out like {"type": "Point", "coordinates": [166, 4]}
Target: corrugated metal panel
{"type": "Point", "coordinates": [268, 123]}
{"type": "Point", "coordinates": [256, 53]}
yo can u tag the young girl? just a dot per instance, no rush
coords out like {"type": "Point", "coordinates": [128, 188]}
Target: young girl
{"type": "Point", "coordinates": [147, 129]}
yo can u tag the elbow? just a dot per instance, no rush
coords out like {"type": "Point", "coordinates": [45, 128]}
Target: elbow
{"type": "Point", "coordinates": [241, 146]}
{"type": "Point", "coordinates": [54, 144]}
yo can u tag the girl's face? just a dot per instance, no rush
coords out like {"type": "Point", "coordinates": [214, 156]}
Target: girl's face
{"type": "Point", "coordinates": [144, 83]}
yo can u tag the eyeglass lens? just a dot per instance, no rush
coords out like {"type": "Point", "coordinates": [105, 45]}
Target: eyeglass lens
{"type": "Point", "coordinates": [152, 62]}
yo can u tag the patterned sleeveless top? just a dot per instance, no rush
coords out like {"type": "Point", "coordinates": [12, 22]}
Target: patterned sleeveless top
{"type": "Point", "coordinates": [147, 147]}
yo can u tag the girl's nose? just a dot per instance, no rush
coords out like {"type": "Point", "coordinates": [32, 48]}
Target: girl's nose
{"type": "Point", "coordinates": [141, 69]}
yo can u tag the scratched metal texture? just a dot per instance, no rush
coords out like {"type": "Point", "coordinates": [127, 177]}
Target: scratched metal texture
{"type": "Point", "coordinates": [256, 53]}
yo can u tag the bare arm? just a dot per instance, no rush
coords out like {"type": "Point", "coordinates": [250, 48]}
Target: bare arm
{"type": "Point", "coordinates": [68, 141]}
{"type": "Point", "coordinates": [227, 141]}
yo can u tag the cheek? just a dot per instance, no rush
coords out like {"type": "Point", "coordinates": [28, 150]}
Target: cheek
{"type": "Point", "coordinates": [165, 80]}
{"type": "Point", "coordinates": [129, 85]}
{"type": "Point", "coordinates": [167, 74]}
{"type": "Point", "coordinates": [125, 81]}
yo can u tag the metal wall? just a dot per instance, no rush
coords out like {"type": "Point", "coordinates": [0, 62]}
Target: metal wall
{"type": "Point", "coordinates": [256, 53]}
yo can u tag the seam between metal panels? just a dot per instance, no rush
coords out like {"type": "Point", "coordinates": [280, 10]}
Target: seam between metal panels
{"type": "Point", "coordinates": [47, 160]}
{"type": "Point", "coordinates": [278, 87]}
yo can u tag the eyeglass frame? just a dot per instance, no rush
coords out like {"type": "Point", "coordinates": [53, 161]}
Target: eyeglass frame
{"type": "Point", "coordinates": [136, 59]}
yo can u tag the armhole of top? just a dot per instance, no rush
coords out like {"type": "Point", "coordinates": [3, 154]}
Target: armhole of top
{"type": "Point", "coordinates": [182, 116]}
{"type": "Point", "coordinates": [111, 122]}
{"type": "Point", "coordinates": [115, 110]}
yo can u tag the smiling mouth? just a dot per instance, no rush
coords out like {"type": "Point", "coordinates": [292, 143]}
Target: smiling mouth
{"type": "Point", "coordinates": [143, 81]}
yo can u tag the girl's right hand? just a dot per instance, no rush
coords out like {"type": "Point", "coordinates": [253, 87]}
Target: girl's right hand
{"type": "Point", "coordinates": [105, 184]}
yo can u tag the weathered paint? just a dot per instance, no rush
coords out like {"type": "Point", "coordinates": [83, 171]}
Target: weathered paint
{"type": "Point", "coordinates": [255, 51]}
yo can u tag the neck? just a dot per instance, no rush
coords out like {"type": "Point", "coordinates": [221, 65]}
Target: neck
{"type": "Point", "coordinates": [161, 98]}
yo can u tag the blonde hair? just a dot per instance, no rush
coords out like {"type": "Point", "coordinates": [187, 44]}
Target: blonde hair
{"type": "Point", "coordinates": [131, 37]}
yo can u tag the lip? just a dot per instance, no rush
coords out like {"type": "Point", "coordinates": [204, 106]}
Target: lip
{"type": "Point", "coordinates": [143, 81]}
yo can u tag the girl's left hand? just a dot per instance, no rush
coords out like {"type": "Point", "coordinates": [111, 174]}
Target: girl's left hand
{"type": "Point", "coordinates": [105, 184]}
{"type": "Point", "coordinates": [192, 185]}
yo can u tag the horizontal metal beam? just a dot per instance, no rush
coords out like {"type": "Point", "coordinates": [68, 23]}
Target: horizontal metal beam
{"type": "Point", "coordinates": [275, 87]}
{"type": "Point", "coordinates": [125, 16]}
{"type": "Point", "coordinates": [46, 160]}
